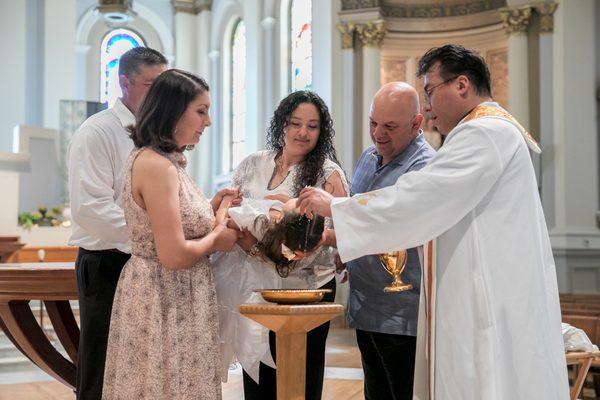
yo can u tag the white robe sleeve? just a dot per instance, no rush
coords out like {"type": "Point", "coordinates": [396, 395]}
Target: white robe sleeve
{"type": "Point", "coordinates": [423, 204]}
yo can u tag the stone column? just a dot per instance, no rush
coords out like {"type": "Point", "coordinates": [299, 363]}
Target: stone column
{"type": "Point", "coordinates": [60, 21]}
{"type": "Point", "coordinates": [202, 40]}
{"type": "Point", "coordinates": [516, 23]}
{"type": "Point", "coordinates": [545, 12]}
{"type": "Point", "coordinates": [216, 89]}
{"type": "Point", "coordinates": [185, 35]}
{"type": "Point", "coordinates": [255, 125]}
{"type": "Point", "coordinates": [203, 68]}
{"type": "Point", "coordinates": [371, 35]}
{"type": "Point", "coordinates": [269, 70]}
{"type": "Point", "coordinates": [13, 80]}
{"type": "Point", "coordinates": [192, 33]}
{"type": "Point", "coordinates": [184, 25]}
{"type": "Point", "coordinates": [351, 120]}
{"type": "Point", "coordinates": [575, 236]}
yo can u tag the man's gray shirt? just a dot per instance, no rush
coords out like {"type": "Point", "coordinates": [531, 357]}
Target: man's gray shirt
{"type": "Point", "coordinates": [369, 307]}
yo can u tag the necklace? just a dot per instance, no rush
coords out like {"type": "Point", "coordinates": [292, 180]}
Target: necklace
{"type": "Point", "coordinates": [278, 167]}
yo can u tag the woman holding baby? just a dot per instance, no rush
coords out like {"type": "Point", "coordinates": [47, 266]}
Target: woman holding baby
{"type": "Point", "coordinates": [300, 153]}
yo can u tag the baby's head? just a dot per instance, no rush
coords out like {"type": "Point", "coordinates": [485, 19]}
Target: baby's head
{"type": "Point", "coordinates": [294, 231]}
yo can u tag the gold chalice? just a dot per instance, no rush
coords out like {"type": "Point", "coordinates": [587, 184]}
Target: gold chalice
{"type": "Point", "coordinates": [394, 263]}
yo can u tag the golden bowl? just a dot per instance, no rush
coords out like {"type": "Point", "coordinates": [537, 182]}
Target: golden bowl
{"type": "Point", "coordinates": [293, 296]}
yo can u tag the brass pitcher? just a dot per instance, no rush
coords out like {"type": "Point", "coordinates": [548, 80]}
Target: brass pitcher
{"type": "Point", "coordinates": [394, 263]}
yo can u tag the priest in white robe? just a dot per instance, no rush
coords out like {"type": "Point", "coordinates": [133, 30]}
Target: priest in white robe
{"type": "Point", "coordinates": [489, 320]}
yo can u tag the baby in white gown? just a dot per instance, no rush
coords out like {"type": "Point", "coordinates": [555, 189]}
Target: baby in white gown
{"type": "Point", "coordinates": [238, 274]}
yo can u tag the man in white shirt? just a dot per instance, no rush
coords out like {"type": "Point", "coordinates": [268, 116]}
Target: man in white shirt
{"type": "Point", "coordinates": [96, 158]}
{"type": "Point", "coordinates": [489, 319]}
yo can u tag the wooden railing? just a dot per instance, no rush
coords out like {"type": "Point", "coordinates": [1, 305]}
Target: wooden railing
{"type": "Point", "coordinates": [54, 284]}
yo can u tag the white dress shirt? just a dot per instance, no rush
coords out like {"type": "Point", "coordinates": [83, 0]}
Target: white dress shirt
{"type": "Point", "coordinates": [96, 157]}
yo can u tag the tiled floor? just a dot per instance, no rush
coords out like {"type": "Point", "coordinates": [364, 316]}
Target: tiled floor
{"type": "Point", "coordinates": [343, 377]}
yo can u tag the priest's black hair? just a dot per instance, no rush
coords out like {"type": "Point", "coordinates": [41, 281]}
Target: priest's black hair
{"type": "Point", "coordinates": [455, 60]}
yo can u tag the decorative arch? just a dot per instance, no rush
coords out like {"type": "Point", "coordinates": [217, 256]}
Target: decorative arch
{"type": "Point", "coordinates": [90, 32]}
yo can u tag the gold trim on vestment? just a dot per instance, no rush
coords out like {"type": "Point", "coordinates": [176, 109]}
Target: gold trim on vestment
{"type": "Point", "coordinates": [490, 111]}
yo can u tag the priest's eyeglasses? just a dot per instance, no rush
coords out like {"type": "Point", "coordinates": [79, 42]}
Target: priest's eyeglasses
{"type": "Point", "coordinates": [429, 91]}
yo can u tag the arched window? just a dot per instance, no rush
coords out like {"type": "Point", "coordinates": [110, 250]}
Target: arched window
{"type": "Point", "coordinates": [300, 44]}
{"type": "Point", "coordinates": [234, 151]}
{"type": "Point", "coordinates": [114, 44]}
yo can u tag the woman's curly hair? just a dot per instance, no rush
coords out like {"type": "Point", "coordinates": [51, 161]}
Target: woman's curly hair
{"type": "Point", "coordinates": [311, 169]}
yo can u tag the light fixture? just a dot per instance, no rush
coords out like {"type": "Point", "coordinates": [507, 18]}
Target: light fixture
{"type": "Point", "coordinates": [116, 12]}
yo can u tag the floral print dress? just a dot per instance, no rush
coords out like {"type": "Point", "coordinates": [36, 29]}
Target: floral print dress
{"type": "Point", "coordinates": [163, 340]}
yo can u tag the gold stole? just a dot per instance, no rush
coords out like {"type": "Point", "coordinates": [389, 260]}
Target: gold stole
{"type": "Point", "coordinates": [429, 288]}
{"type": "Point", "coordinates": [489, 111]}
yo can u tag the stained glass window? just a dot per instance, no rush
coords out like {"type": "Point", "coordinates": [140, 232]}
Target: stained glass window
{"type": "Point", "coordinates": [301, 44]}
{"type": "Point", "coordinates": [238, 95]}
{"type": "Point", "coordinates": [115, 43]}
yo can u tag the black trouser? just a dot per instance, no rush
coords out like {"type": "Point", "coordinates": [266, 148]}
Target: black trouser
{"type": "Point", "coordinates": [266, 389]}
{"type": "Point", "coordinates": [388, 363]}
{"type": "Point", "coordinates": [97, 276]}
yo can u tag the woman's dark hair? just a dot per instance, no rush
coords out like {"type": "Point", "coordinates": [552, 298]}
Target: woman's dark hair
{"type": "Point", "coordinates": [311, 169]}
{"type": "Point", "coordinates": [297, 232]}
{"type": "Point", "coordinates": [456, 60]}
{"type": "Point", "coordinates": [165, 103]}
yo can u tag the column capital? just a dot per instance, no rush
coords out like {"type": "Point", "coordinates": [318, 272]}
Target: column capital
{"type": "Point", "coordinates": [371, 33]}
{"type": "Point", "coordinates": [516, 19]}
{"type": "Point", "coordinates": [347, 30]}
{"type": "Point", "coordinates": [546, 12]}
{"type": "Point", "coordinates": [191, 6]}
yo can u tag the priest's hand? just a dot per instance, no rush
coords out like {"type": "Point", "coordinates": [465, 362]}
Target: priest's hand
{"type": "Point", "coordinates": [315, 201]}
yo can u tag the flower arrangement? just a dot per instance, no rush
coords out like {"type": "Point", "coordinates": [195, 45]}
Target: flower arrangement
{"type": "Point", "coordinates": [41, 217]}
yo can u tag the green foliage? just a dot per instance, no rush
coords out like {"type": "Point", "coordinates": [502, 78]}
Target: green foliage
{"type": "Point", "coordinates": [41, 217]}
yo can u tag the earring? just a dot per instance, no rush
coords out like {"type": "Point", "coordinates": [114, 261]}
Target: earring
{"type": "Point", "coordinates": [189, 147]}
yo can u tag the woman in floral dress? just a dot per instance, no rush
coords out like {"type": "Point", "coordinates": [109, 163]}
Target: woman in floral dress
{"type": "Point", "coordinates": [163, 340]}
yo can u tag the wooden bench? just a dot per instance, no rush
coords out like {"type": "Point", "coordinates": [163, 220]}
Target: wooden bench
{"type": "Point", "coordinates": [30, 254]}
{"type": "Point", "coordinates": [579, 298]}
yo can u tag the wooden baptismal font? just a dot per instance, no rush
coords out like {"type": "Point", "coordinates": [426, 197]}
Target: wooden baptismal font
{"type": "Point", "coordinates": [291, 324]}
